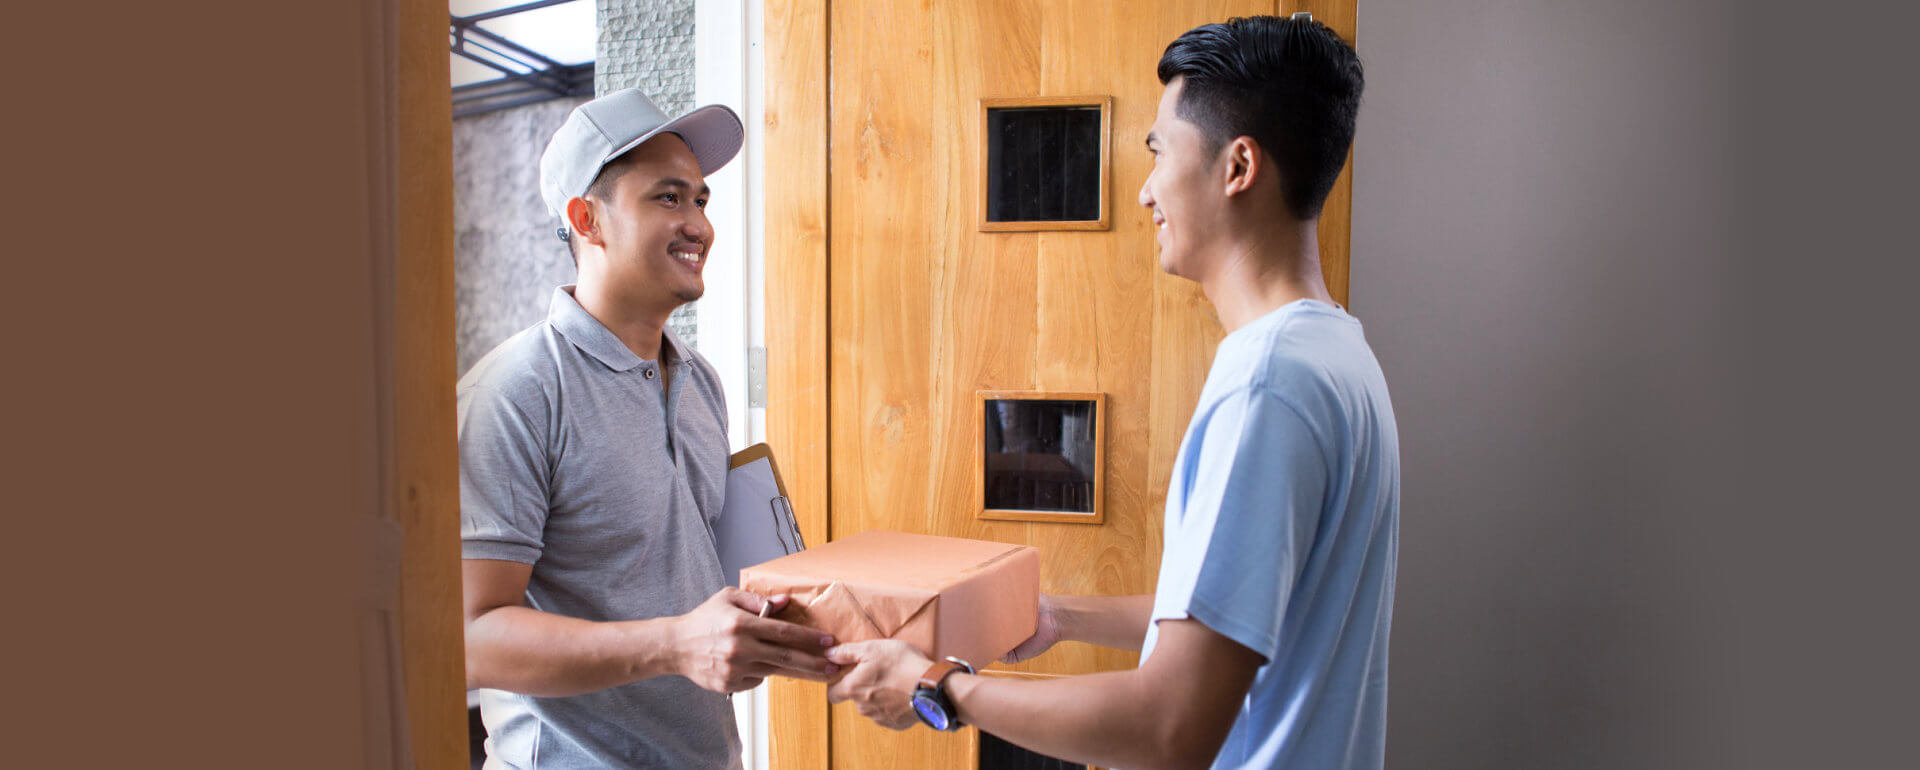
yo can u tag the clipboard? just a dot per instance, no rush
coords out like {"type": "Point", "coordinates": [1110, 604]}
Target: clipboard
{"type": "Point", "coordinates": [756, 517]}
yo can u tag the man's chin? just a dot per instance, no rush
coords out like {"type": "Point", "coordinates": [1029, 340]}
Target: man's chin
{"type": "Point", "coordinates": [689, 294]}
{"type": "Point", "coordinates": [1170, 265]}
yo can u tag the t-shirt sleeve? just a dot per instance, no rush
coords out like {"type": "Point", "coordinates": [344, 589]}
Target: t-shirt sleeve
{"type": "Point", "coordinates": [503, 478]}
{"type": "Point", "coordinates": [1250, 514]}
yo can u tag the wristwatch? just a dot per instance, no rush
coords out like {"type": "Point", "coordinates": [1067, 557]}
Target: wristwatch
{"type": "Point", "coordinates": [930, 698]}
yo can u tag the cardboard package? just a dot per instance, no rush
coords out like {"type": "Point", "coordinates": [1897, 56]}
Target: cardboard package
{"type": "Point", "coordinates": [971, 599]}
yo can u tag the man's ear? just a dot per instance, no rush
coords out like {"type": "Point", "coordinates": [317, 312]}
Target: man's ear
{"type": "Point", "coordinates": [1243, 165]}
{"type": "Point", "coordinates": [583, 218]}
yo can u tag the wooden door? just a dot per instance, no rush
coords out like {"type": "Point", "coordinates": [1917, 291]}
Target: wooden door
{"type": "Point", "coordinates": [889, 308]}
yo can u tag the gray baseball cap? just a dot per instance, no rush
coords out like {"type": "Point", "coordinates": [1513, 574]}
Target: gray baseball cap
{"type": "Point", "coordinates": [605, 128]}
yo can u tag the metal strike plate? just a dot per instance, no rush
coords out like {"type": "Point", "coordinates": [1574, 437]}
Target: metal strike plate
{"type": "Point", "coordinates": [757, 377]}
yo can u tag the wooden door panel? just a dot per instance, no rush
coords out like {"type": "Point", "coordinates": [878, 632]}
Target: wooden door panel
{"type": "Point", "coordinates": [874, 396]}
{"type": "Point", "coordinates": [899, 272]}
{"type": "Point", "coordinates": [925, 309]}
{"type": "Point", "coordinates": [797, 341]}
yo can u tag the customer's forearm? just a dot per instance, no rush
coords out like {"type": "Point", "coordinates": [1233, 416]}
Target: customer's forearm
{"type": "Point", "coordinates": [527, 651]}
{"type": "Point", "coordinates": [1119, 622]}
{"type": "Point", "coordinates": [1107, 719]}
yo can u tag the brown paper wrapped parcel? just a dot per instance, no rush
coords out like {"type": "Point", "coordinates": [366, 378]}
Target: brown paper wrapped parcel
{"type": "Point", "coordinates": [971, 599]}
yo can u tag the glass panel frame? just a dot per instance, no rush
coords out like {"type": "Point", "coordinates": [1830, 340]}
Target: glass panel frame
{"type": "Point", "coordinates": [1104, 163]}
{"type": "Point", "coordinates": [1057, 478]}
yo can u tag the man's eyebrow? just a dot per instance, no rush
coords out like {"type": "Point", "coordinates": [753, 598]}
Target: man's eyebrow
{"type": "Point", "coordinates": [677, 182]}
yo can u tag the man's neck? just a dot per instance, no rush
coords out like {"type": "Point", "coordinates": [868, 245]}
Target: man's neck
{"type": "Point", "coordinates": [1264, 269]}
{"type": "Point", "coordinates": [637, 325]}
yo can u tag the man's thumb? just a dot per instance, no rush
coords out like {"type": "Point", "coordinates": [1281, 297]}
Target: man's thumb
{"type": "Point", "coordinates": [846, 654]}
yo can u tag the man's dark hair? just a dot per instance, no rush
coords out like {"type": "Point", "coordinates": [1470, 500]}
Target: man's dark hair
{"type": "Point", "coordinates": [1292, 85]}
{"type": "Point", "coordinates": [601, 189]}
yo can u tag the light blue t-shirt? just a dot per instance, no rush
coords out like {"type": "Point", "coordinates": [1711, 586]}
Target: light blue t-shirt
{"type": "Point", "coordinates": [1282, 530]}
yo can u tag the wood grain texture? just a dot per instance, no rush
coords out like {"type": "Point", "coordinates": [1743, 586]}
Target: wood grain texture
{"type": "Point", "coordinates": [424, 481]}
{"type": "Point", "coordinates": [915, 288]}
{"type": "Point", "coordinates": [795, 36]}
{"type": "Point", "coordinates": [926, 309]}
{"type": "Point", "coordinates": [1336, 219]}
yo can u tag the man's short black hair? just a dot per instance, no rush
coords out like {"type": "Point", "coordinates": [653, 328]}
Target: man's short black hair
{"type": "Point", "coordinates": [1292, 85]}
{"type": "Point", "coordinates": [601, 189]}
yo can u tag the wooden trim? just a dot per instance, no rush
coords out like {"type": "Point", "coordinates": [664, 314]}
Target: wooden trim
{"type": "Point", "coordinates": [1105, 103]}
{"type": "Point", "coordinates": [1051, 517]}
{"type": "Point", "coordinates": [1036, 227]}
{"type": "Point", "coordinates": [1033, 676]}
{"type": "Point", "coordinates": [423, 476]}
{"type": "Point", "coordinates": [1099, 514]}
{"type": "Point", "coordinates": [797, 155]}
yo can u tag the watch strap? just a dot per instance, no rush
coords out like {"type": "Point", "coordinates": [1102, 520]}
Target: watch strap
{"type": "Point", "coordinates": [931, 689]}
{"type": "Point", "coordinates": [936, 674]}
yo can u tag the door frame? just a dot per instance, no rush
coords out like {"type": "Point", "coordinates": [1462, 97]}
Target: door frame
{"type": "Point", "coordinates": [412, 180]}
{"type": "Point", "coordinates": [798, 123]}
{"type": "Point", "coordinates": [797, 154]}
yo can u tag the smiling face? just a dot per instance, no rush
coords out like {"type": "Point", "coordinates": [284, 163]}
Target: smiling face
{"type": "Point", "coordinates": [653, 224]}
{"type": "Point", "coordinates": [1186, 190]}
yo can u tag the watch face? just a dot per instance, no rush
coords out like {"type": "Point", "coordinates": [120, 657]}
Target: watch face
{"type": "Point", "coordinates": [930, 711]}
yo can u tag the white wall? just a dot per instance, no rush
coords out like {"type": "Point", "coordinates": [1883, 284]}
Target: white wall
{"type": "Point", "coordinates": [727, 70]}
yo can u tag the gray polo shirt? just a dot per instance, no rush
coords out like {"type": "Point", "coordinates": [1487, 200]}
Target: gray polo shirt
{"type": "Point", "coordinates": [572, 459]}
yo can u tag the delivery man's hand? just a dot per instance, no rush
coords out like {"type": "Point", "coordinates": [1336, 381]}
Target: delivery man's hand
{"type": "Point", "coordinates": [724, 645]}
{"type": "Point", "coordinates": [881, 680]}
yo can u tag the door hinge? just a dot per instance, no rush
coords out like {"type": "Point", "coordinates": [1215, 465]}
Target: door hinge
{"type": "Point", "coordinates": [757, 377]}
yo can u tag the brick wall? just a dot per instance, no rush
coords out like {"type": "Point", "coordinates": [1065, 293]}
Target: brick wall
{"type": "Point", "coordinates": [648, 44]}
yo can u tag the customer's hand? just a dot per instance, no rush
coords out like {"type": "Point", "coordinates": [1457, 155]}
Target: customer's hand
{"type": "Point", "coordinates": [724, 645]}
{"type": "Point", "coordinates": [881, 681]}
{"type": "Point", "coordinates": [1045, 634]}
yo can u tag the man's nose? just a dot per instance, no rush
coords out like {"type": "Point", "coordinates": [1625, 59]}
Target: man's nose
{"type": "Point", "coordinates": [698, 228]}
{"type": "Point", "coordinates": [1146, 197]}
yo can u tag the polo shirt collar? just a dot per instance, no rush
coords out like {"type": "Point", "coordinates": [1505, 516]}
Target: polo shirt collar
{"type": "Point", "coordinates": [588, 334]}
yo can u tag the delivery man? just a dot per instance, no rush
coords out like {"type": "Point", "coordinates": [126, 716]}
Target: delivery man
{"type": "Point", "coordinates": [593, 458]}
{"type": "Point", "coordinates": [1265, 642]}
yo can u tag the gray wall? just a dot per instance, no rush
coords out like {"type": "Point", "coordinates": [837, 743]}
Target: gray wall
{"type": "Point", "coordinates": [506, 258]}
{"type": "Point", "coordinates": [1540, 249]}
